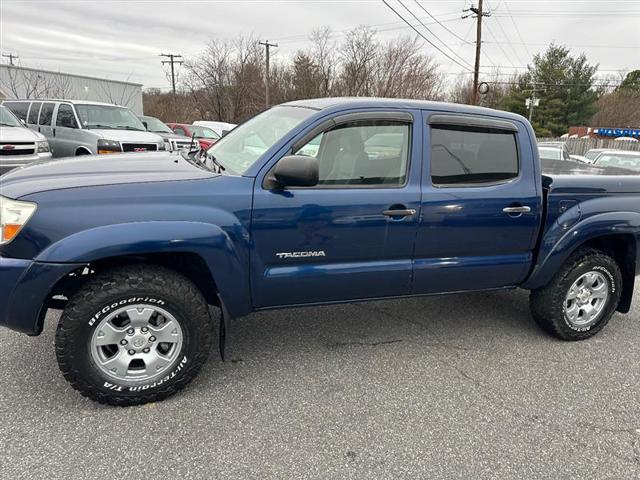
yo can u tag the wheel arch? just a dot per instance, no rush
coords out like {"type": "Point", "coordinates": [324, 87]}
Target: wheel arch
{"type": "Point", "coordinates": [204, 253]}
{"type": "Point", "coordinates": [616, 234]}
{"type": "Point", "coordinates": [83, 151]}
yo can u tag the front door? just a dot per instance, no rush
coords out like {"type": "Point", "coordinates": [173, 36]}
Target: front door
{"type": "Point", "coordinates": [352, 235]}
{"type": "Point", "coordinates": [481, 205]}
{"type": "Point", "coordinates": [45, 124]}
{"type": "Point", "coordinates": [65, 131]}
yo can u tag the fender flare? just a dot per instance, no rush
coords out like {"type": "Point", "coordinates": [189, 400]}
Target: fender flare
{"type": "Point", "coordinates": [208, 241]}
{"type": "Point", "coordinates": [559, 243]}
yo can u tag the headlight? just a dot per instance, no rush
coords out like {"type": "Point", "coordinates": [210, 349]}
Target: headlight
{"type": "Point", "coordinates": [13, 216]}
{"type": "Point", "coordinates": [42, 146]}
{"type": "Point", "coordinates": [108, 146]}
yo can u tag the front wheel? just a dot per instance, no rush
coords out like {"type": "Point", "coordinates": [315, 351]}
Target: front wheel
{"type": "Point", "coordinates": [134, 335]}
{"type": "Point", "coordinates": [581, 298]}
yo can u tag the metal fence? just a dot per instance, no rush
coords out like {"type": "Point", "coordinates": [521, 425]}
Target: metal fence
{"type": "Point", "coordinates": [580, 146]}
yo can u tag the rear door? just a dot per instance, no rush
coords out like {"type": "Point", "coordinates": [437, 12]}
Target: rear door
{"type": "Point", "coordinates": [481, 205]}
{"type": "Point", "coordinates": [352, 235]}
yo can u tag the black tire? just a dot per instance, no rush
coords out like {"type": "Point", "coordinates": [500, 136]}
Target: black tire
{"type": "Point", "coordinates": [147, 285]}
{"type": "Point", "coordinates": [548, 303]}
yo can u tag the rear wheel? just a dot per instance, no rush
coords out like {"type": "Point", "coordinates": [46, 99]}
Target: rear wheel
{"type": "Point", "coordinates": [134, 335]}
{"type": "Point", "coordinates": [581, 298]}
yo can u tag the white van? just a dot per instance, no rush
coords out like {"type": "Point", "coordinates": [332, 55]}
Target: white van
{"type": "Point", "coordinates": [19, 146]}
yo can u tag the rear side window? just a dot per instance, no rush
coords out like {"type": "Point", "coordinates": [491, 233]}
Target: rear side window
{"type": "Point", "coordinates": [18, 108]}
{"type": "Point", "coordinates": [46, 113]}
{"type": "Point", "coordinates": [33, 113]}
{"type": "Point", "coordinates": [472, 156]}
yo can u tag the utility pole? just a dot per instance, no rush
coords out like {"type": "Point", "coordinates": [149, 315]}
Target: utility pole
{"type": "Point", "coordinates": [172, 60]}
{"type": "Point", "coordinates": [478, 13]}
{"type": "Point", "coordinates": [267, 45]}
{"type": "Point", "coordinates": [10, 56]}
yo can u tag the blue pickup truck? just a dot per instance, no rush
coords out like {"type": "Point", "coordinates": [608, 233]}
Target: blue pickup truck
{"type": "Point", "coordinates": [310, 202]}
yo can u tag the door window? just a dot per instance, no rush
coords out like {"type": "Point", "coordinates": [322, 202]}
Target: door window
{"type": "Point", "coordinates": [18, 108]}
{"type": "Point", "coordinates": [180, 131]}
{"type": "Point", "coordinates": [33, 113]}
{"type": "Point", "coordinates": [472, 156]}
{"type": "Point", "coordinates": [46, 114]}
{"type": "Point", "coordinates": [362, 153]}
{"type": "Point", "coordinates": [65, 116]}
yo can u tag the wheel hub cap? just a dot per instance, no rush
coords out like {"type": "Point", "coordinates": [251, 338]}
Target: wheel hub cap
{"type": "Point", "coordinates": [586, 299]}
{"type": "Point", "coordinates": [136, 343]}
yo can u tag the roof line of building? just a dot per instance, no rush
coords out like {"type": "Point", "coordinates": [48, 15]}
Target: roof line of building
{"type": "Point", "coordinates": [18, 67]}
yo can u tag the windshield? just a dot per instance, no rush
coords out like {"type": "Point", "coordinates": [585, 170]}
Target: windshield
{"type": "Point", "coordinates": [107, 116]}
{"type": "Point", "coordinates": [241, 147]}
{"type": "Point", "coordinates": [631, 162]}
{"type": "Point", "coordinates": [592, 154]}
{"type": "Point", "coordinates": [8, 119]}
{"type": "Point", "coordinates": [155, 125]}
{"type": "Point", "coordinates": [550, 153]}
{"type": "Point", "coordinates": [203, 132]}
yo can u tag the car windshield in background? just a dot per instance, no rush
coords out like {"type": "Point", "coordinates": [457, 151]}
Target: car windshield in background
{"type": "Point", "coordinates": [155, 125]}
{"type": "Point", "coordinates": [240, 149]}
{"type": "Point", "coordinates": [203, 132]}
{"type": "Point", "coordinates": [592, 154]}
{"type": "Point", "coordinates": [631, 162]}
{"type": "Point", "coordinates": [550, 153]}
{"type": "Point", "coordinates": [8, 119]}
{"type": "Point", "coordinates": [107, 116]}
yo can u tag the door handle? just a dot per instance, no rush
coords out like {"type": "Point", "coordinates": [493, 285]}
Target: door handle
{"type": "Point", "coordinates": [399, 213]}
{"type": "Point", "coordinates": [517, 210]}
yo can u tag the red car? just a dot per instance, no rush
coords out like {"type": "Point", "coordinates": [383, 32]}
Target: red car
{"type": "Point", "coordinates": [205, 136]}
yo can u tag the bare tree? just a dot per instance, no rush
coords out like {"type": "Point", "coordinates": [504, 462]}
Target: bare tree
{"type": "Point", "coordinates": [323, 54]}
{"type": "Point", "coordinates": [358, 54]}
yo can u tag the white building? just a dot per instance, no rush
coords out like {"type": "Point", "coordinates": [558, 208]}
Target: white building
{"type": "Point", "coordinates": [23, 82]}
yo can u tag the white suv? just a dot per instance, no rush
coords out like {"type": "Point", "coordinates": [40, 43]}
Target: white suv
{"type": "Point", "coordinates": [19, 145]}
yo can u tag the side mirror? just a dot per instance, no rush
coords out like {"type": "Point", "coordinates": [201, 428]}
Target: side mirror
{"type": "Point", "coordinates": [146, 126]}
{"type": "Point", "coordinates": [296, 171]}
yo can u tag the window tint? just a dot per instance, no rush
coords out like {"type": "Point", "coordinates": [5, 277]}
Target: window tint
{"type": "Point", "coordinates": [361, 153]}
{"type": "Point", "coordinates": [33, 113]}
{"type": "Point", "coordinates": [46, 113]}
{"type": "Point", "coordinates": [18, 108]}
{"type": "Point", "coordinates": [472, 155]}
{"type": "Point", "coordinates": [66, 117]}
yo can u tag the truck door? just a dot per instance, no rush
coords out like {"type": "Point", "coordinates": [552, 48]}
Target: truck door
{"type": "Point", "coordinates": [481, 204]}
{"type": "Point", "coordinates": [352, 235]}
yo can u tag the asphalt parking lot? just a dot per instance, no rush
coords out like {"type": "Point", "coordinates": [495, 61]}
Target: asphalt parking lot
{"type": "Point", "coordinates": [444, 387]}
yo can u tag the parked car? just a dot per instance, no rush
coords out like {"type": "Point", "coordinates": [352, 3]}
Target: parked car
{"type": "Point", "coordinates": [78, 127]}
{"type": "Point", "coordinates": [561, 145]}
{"type": "Point", "coordinates": [221, 128]}
{"type": "Point", "coordinates": [402, 198]}
{"type": "Point", "coordinates": [172, 141]}
{"type": "Point", "coordinates": [619, 158]}
{"type": "Point", "coordinates": [19, 146]}
{"type": "Point", "coordinates": [205, 136]}
{"type": "Point", "coordinates": [553, 153]}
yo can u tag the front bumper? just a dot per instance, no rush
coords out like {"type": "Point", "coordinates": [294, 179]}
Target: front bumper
{"type": "Point", "coordinates": [25, 286]}
{"type": "Point", "coordinates": [8, 163]}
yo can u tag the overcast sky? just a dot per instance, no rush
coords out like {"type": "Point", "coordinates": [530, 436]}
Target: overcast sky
{"type": "Point", "coordinates": [121, 39]}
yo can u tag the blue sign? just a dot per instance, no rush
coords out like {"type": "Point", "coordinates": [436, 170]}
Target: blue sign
{"type": "Point", "coordinates": [617, 132]}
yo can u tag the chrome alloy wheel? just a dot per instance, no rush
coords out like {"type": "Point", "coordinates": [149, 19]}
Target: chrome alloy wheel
{"type": "Point", "coordinates": [136, 343]}
{"type": "Point", "coordinates": [586, 299]}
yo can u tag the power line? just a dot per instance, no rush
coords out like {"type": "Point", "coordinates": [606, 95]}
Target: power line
{"type": "Point", "coordinates": [172, 60]}
{"type": "Point", "coordinates": [515, 52]}
{"type": "Point", "coordinates": [425, 38]}
{"type": "Point", "coordinates": [267, 45]}
{"type": "Point", "coordinates": [441, 24]}
{"type": "Point", "coordinates": [429, 30]}
{"type": "Point", "coordinates": [506, 6]}
{"type": "Point", "coordinates": [504, 52]}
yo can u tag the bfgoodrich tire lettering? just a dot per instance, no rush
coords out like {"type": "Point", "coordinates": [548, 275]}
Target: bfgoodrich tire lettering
{"type": "Point", "coordinates": [154, 294]}
{"type": "Point", "coordinates": [589, 283]}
